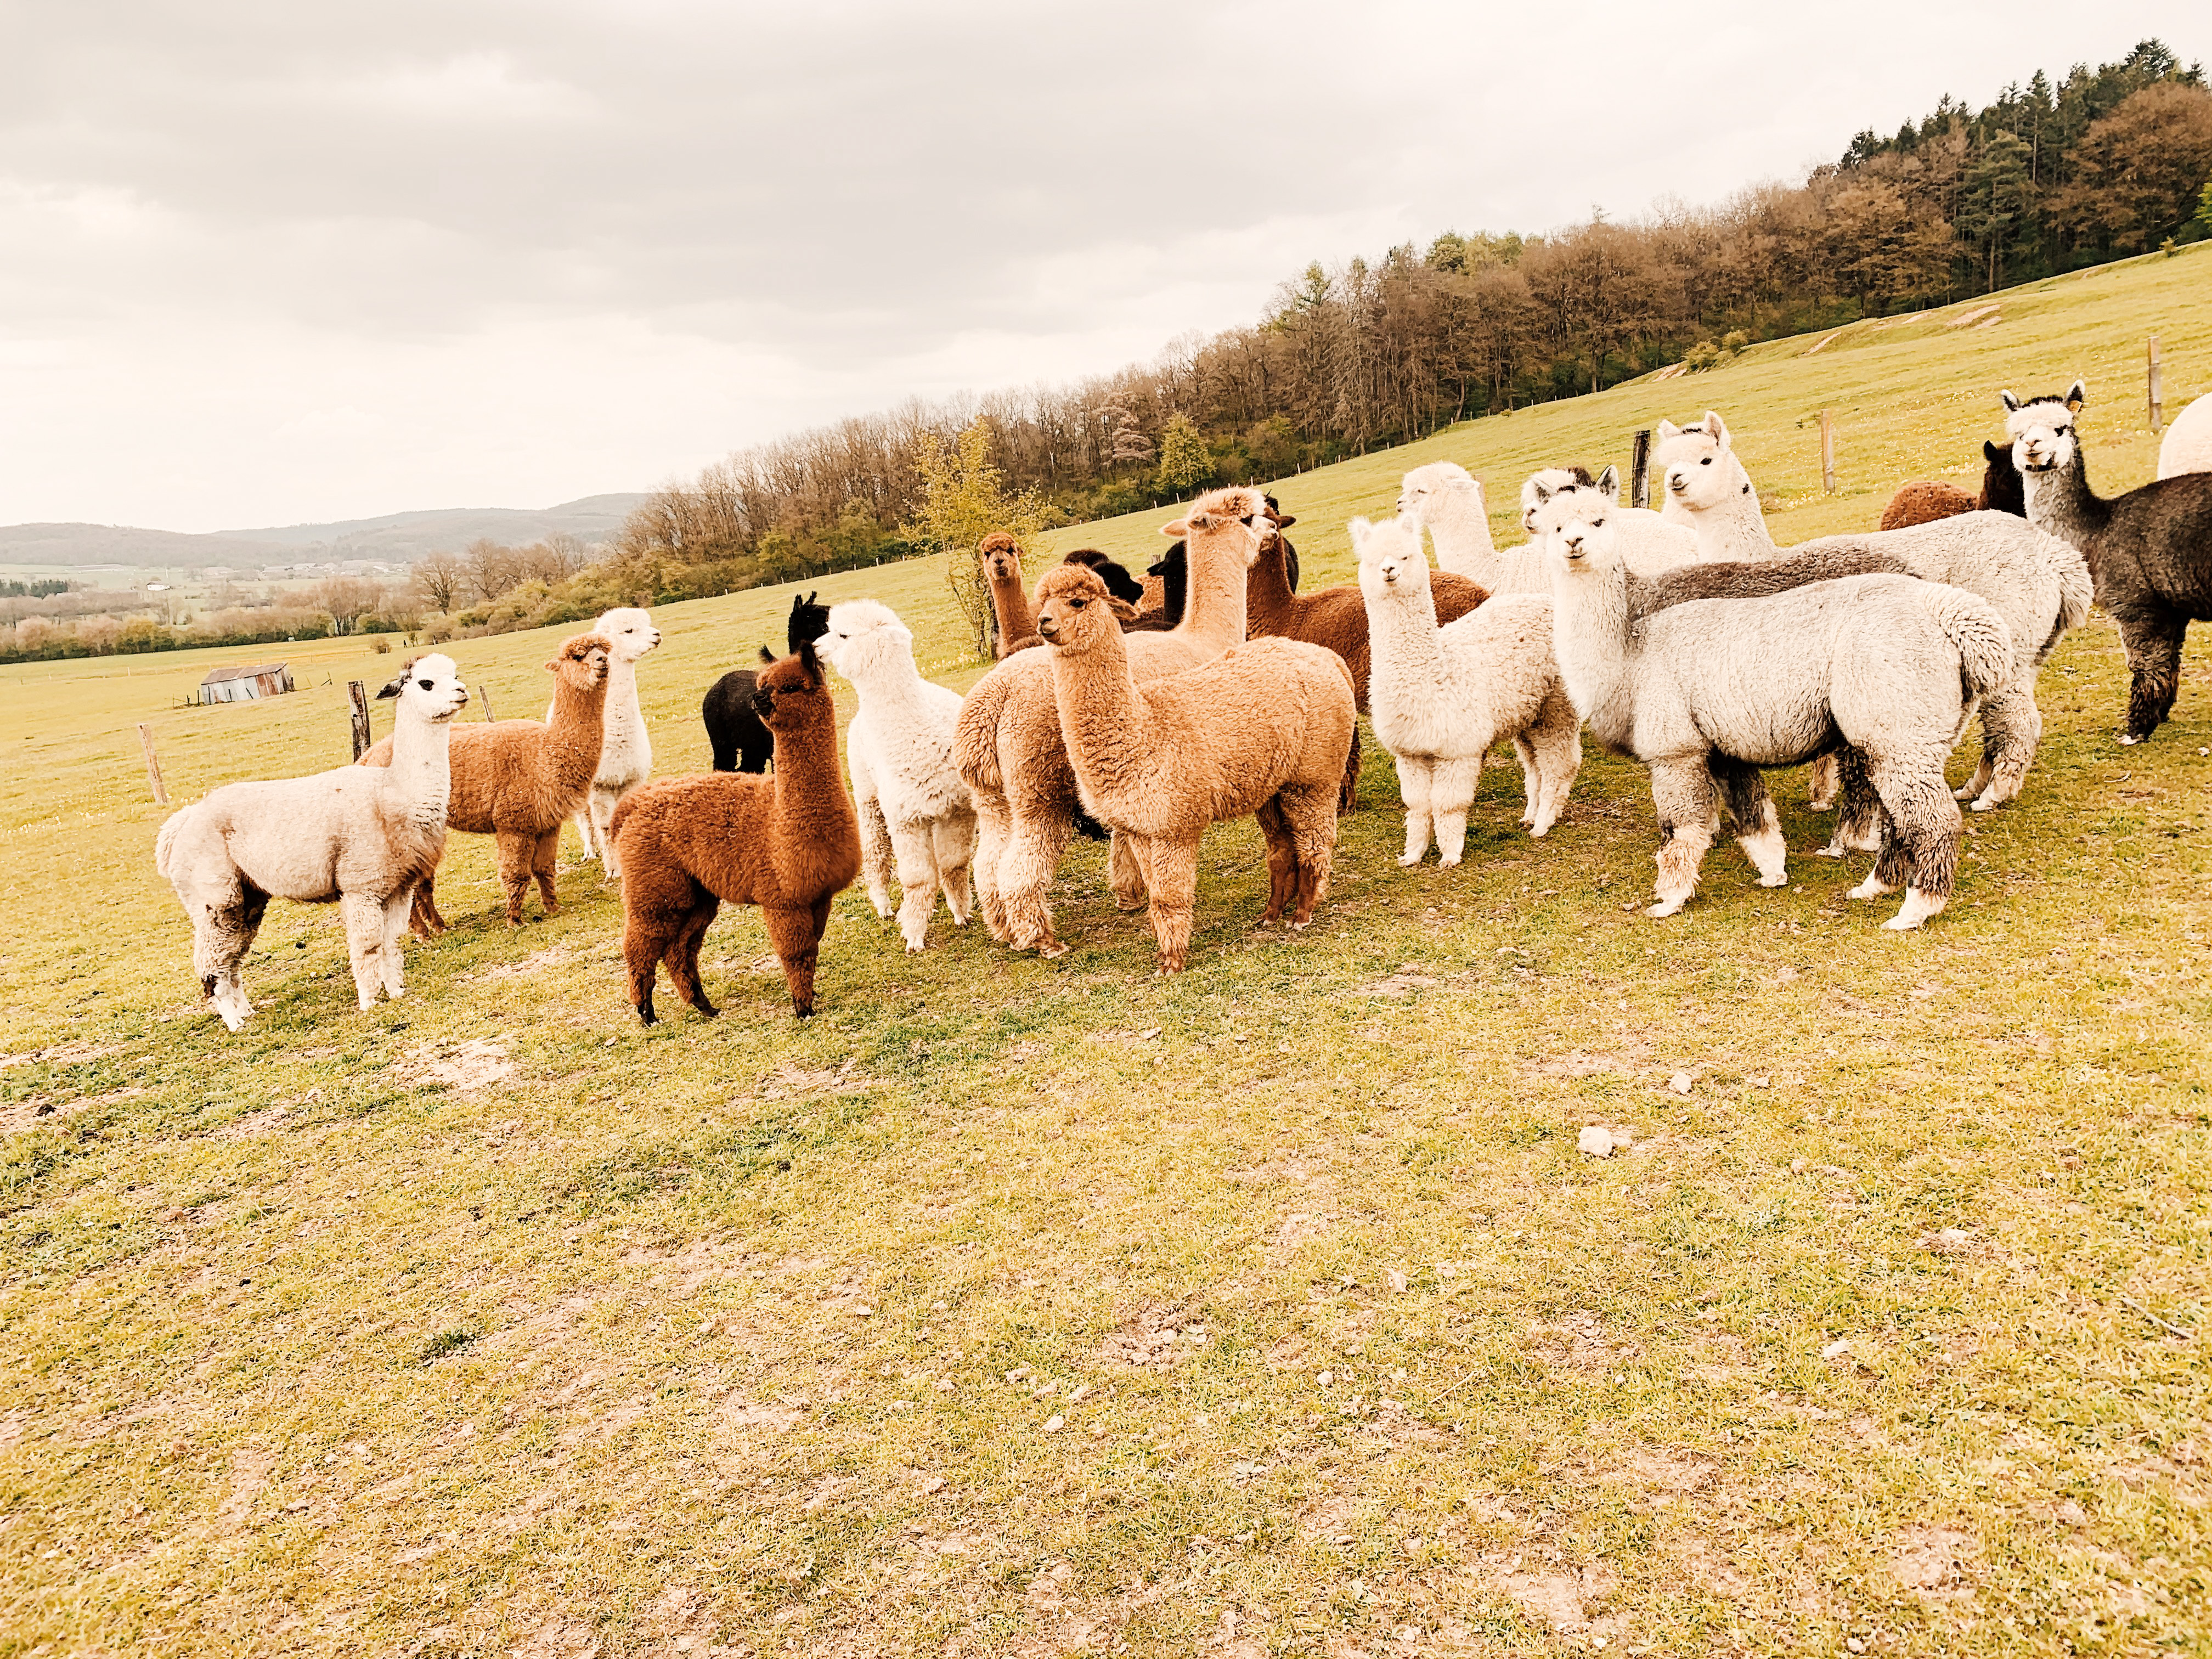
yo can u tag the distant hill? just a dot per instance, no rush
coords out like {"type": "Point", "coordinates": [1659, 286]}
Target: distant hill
{"type": "Point", "coordinates": [396, 538]}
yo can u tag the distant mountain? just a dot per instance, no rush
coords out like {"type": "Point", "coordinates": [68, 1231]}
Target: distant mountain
{"type": "Point", "coordinates": [395, 538]}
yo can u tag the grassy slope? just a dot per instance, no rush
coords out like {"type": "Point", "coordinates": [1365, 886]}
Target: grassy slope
{"type": "Point", "coordinates": [705, 1333]}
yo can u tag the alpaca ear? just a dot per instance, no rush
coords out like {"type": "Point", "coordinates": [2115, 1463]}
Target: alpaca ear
{"type": "Point", "coordinates": [393, 690]}
{"type": "Point", "coordinates": [1543, 490]}
{"type": "Point", "coordinates": [1990, 451]}
{"type": "Point", "coordinates": [1609, 483]}
{"type": "Point", "coordinates": [1176, 531]}
{"type": "Point", "coordinates": [1360, 529]}
{"type": "Point", "coordinates": [1286, 520]}
{"type": "Point", "coordinates": [1121, 608]}
{"type": "Point", "coordinates": [2077, 394]}
{"type": "Point", "coordinates": [767, 655]}
{"type": "Point", "coordinates": [1665, 431]}
{"type": "Point", "coordinates": [808, 661]}
{"type": "Point", "coordinates": [2011, 403]}
{"type": "Point", "coordinates": [553, 667]}
{"type": "Point", "coordinates": [1717, 427]}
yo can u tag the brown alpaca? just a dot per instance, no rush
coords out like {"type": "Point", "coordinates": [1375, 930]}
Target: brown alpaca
{"type": "Point", "coordinates": [521, 780]}
{"type": "Point", "coordinates": [789, 843]}
{"type": "Point", "coordinates": [1924, 502]}
{"type": "Point", "coordinates": [1010, 600]}
{"type": "Point", "coordinates": [1008, 747]}
{"type": "Point", "coordinates": [1260, 731]}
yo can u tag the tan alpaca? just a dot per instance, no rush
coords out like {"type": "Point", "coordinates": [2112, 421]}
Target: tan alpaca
{"type": "Point", "coordinates": [1010, 600]}
{"type": "Point", "coordinates": [1262, 730]}
{"type": "Point", "coordinates": [1008, 747]}
{"type": "Point", "coordinates": [521, 780]}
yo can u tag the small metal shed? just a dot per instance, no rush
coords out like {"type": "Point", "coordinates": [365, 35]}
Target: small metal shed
{"type": "Point", "coordinates": [244, 684]}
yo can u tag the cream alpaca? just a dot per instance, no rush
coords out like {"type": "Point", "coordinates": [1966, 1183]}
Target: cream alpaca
{"type": "Point", "coordinates": [363, 838]}
{"type": "Point", "coordinates": [1890, 663]}
{"type": "Point", "coordinates": [625, 749]}
{"type": "Point", "coordinates": [916, 818]}
{"type": "Point", "coordinates": [1450, 506]}
{"type": "Point", "coordinates": [1012, 757]}
{"type": "Point", "coordinates": [1262, 730]}
{"type": "Point", "coordinates": [1441, 697]}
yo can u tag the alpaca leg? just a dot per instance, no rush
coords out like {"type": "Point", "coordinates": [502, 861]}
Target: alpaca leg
{"type": "Point", "coordinates": [364, 928]}
{"type": "Point", "coordinates": [424, 918]}
{"type": "Point", "coordinates": [2153, 645]}
{"type": "Point", "coordinates": [1862, 824]}
{"type": "Point", "coordinates": [1927, 821]}
{"type": "Point", "coordinates": [1452, 784]}
{"type": "Point", "coordinates": [2012, 729]}
{"type": "Point", "coordinates": [656, 901]}
{"type": "Point", "coordinates": [396, 909]}
{"type": "Point", "coordinates": [1025, 873]}
{"type": "Point", "coordinates": [992, 833]}
{"type": "Point", "coordinates": [1173, 868]}
{"type": "Point", "coordinates": [598, 810]}
{"type": "Point", "coordinates": [1347, 794]}
{"type": "Point", "coordinates": [1532, 779]}
{"type": "Point", "coordinates": [1750, 810]}
{"type": "Point", "coordinates": [1313, 831]}
{"type": "Point", "coordinates": [516, 854]}
{"type": "Point", "coordinates": [545, 860]}
{"type": "Point", "coordinates": [1558, 742]}
{"type": "Point", "coordinates": [1282, 859]}
{"type": "Point", "coordinates": [1414, 787]}
{"type": "Point", "coordinates": [878, 861]}
{"type": "Point", "coordinates": [582, 820]}
{"type": "Point", "coordinates": [1822, 780]}
{"type": "Point", "coordinates": [223, 933]}
{"type": "Point", "coordinates": [1689, 816]}
{"type": "Point", "coordinates": [1125, 873]}
{"type": "Point", "coordinates": [682, 954]}
{"type": "Point", "coordinates": [797, 942]}
{"type": "Point", "coordinates": [952, 838]}
{"type": "Point", "coordinates": [917, 876]}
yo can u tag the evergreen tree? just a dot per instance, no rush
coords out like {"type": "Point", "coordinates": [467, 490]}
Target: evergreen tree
{"type": "Point", "coordinates": [1185, 461]}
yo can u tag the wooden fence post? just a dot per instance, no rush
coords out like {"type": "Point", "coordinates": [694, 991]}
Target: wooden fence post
{"type": "Point", "coordinates": [1639, 469]}
{"type": "Point", "coordinates": [362, 740]}
{"type": "Point", "coordinates": [153, 766]}
{"type": "Point", "coordinates": [2157, 393]}
{"type": "Point", "coordinates": [1827, 452]}
{"type": "Point", "coordinates": [484, 691]}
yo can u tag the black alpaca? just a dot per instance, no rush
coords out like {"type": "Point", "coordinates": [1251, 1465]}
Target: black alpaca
{"type": "Point", "coordinates": [2149, 551]}
{"type": "Point", "coordinates": [734, 731]}
{"type": "Point", "coordinates": [2001, 490]}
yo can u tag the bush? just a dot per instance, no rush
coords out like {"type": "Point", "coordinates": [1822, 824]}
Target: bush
{"type": "Point", "coordinates": [1734, 341]}
{"type": "Point", "coordinates": [381, 645]}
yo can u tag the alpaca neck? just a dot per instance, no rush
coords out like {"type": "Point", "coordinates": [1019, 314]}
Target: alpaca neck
{"type": "Point", "coordinates": [1461, 529]}
{"type": "Point", "coordinates": [577, 732]}
{"type": "Point", "coordinates": [421, 772]}
{"type": "Point", "coordinates": [1016, 620]}
{"type": "Point", "coordinates": [2060, 503]}
{"type": "Point", "coordinates": [1593, 638]}
{"type": "Point", "coordinates": [890, 681]}
{"type": "Point", "coordinates": [1405, 652]}
{"type": "Point", "coordinates": [1214, 614]}
{"type": "Point", "coordinates": [1101, 714]}
{"type": "Point", "coordinates": [1734, 528]}
{"type": "Point", "coordinates": [1268, 601]}
{"type": "Point", "coordinates": [812, 809]}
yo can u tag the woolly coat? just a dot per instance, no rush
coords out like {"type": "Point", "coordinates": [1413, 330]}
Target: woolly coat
{"type": "Point", "coordinates": [2187, 446]}
{"type": "Point", "coordinates": [1334, 618]}
{"type": "Point", "coordinates": [1924, 502]}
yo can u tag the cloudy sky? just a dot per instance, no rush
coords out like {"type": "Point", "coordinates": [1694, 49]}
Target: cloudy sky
{"type": "Point", "coordinates": [268, 263]}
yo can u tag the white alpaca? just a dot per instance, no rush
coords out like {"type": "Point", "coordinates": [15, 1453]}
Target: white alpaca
{"type": "Point", "coordinates": [917, 820]}
{"type": "Point", "coordinates": [1649, 544]}
{"type": "Point", "coordinates": [1450, 505]}
{"type": "Point", "coordinates": [2187, 446]}
{"type": "Point", "coordinates": [2036, 582]}
{"type": "Point", "coordinates": [1441, 697]}
{"type": "Point", "coordinates": [363, 835]}
{"type": "Point", "coordinates": [1892, 664]}
{"type": "Point", "coordinates": [1545, 481]}
{"type": "Point", "coordinates": [625, 751]}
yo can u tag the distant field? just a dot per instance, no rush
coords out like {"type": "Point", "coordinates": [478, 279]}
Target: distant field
{"type": "Point", "coordinates": [1025, 1308]}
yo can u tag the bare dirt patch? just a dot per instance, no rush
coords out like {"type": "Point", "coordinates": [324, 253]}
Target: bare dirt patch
{"type": "Point", "coordinates": [464, 1068]}
{"type": "Point", "coordinates": [553, 956]}
{"type": "Point", "coordinates": [61, 1054]}
{"type": "Point", "coordinates": [789, 1082]}
{"type": "Point", "coordinates": [1563, 1597]}
{"type": "Point", "coordinates": [1150, 1337]}
{"type": "Point", "coordinates": [1934, 1560]}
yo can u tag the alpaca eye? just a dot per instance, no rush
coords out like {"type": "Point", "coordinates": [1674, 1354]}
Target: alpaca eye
{"type": "Point", "coordinates": [1708, 461]}
{"type": "Point", "coordinates": [425, 684]}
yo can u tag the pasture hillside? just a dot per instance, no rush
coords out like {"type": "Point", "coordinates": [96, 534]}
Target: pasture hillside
{"type": "Point", "coordinates": [1022, 1307]}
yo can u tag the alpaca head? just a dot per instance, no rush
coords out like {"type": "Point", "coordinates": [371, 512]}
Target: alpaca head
{"type": "Point", "coordinates": [1119, 582]}
{"type": "Point", "coordinates": [1698, 463]}
{"type": "Point", "coordinates": [582, 664]}
{"type": "Point", "coordinates": [1426, 485]}
{"type": "Point", "coordinates": [1391, 562]}
{"type": "Point", "coordinates": [808, 620]}
{"type": "Point", "coordinates": [1541, 485]}
{"type": "Point", "coordinates": [1241, 512]}
{"type": "Point", "coordinates": [864, 635]}
{"type": "Point", "coordinates": [2002, 488]}
{"type": "Point", "coordinates": [2042, 429]}
{"type": "Point", "coordinates": [1074, 611]}
{"type": "Point", "coordinates": [628, 631]}
{"type": "Point", "coordinates": [429, 688]}
{"type": "Point", "coordinates": [789, 693]}
{"type": "Point", "coordinates": [1581, 525]}
{"type": "Point", "coordinates": [1001, 556]}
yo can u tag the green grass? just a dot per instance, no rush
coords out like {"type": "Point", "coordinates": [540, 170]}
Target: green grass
{"type": "Point", "coordinates": [739, 1332]}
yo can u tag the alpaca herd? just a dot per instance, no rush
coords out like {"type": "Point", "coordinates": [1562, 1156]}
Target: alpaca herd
{"type": "Point", "coordinates": [1684, 639]}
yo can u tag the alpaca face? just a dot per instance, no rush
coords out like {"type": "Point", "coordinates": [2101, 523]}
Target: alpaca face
{"type": "Point", "coordinates": [582, 663]}
{"type": "Point", "coordinates": [1391, 562]}
{"type": "Point", "coordinates": [1543, 484]}
{"type": "Point", "coordinates": [2042, 429]}
{"type": "Point", "coordinates": [1425, 484]}
{"type": "Point", "coordinates": [789, 694]}
{"type": "Point", "coordinates": [1699, 466]}
{"type": "Point", "coordinates": [1073, 613]}
{"type": "Point", "coordinates": [629, 632]}
{"type": "Point", "coordinates": [429, 688]}
{"type": "Point", "coordinates": [1581, 526]}
{"type": "Point", "coordinates": [1002, 559]}
{"type": "Point", "coordinates": [863, 633]}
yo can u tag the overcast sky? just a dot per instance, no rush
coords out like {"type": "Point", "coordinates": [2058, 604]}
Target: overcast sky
{"type": "Point", "coordinates": [274, 263]}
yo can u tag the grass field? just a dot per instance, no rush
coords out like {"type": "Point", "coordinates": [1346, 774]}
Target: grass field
{"type": "Point", "coordinates": [1029, 1307]}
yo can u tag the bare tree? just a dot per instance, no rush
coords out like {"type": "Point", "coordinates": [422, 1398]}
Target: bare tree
{"type": "Point", "coordinates": [439, 578]}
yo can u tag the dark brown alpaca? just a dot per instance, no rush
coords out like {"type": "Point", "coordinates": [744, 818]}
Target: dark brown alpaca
{"type": "Point", "coordinates": [789, 843]}
{"type": "Point", "coordinates": [521, 780]}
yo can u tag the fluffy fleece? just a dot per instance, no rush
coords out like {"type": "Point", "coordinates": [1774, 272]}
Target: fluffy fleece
{"type": "Point", "coordinates": [1890, 665]}
{"type": "Point", "coordinates": [519, 781]}
{"type": "Point", "coordinates": [1008, 746]}
{"type": "Point", "coordinates": [789, 843]}
{"type": "Point", "coordinates": [2187, 446]}
{"type": "Point", "coordinates": [2149, 551]}
{"type": "Point", "coordinates": [362, 838]}
{"type": "Point", "coordinates": [1923, 502]}
{"type": "Point", "coordinates": [1441, 697]}
{"type": "Point", "coordinates": [2038, 585]}
{"type": "Point", "coordinates": [739, 742]}
{"type": "Point", "coordinates": [1450, 505]}
{"type": "Point", "coordinates": [625, 747]}
{"type": "Point", "coordinates": [917, 822]}
{"type": "Point", "coordinates": [1260, 731]}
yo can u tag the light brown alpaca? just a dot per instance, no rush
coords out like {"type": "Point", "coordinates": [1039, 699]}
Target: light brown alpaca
{"type": "Point", "coordinates": [1008, 746]}
{"type": "Point", "coordinates": [521, 780]}
{"type": "Point", "coordinates": [1010, 600]}
{"type": "Point", "coordinates": [1261, 730]}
